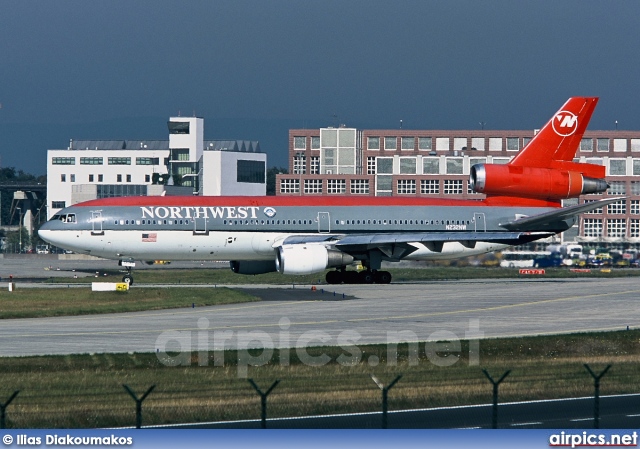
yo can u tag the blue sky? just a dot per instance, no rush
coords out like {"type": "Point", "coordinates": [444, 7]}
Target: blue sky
{"type": "Point", "coordinates": [254, 69]}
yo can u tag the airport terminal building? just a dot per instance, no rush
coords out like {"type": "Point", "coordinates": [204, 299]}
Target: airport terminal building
{"type": "Point", "coordinates": [184, 164]}
{"type": "Point", "coordinates": [436, 164]}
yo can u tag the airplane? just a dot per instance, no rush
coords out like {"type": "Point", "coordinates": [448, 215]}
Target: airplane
{"type": "Point", "coordinates": [310, 234]}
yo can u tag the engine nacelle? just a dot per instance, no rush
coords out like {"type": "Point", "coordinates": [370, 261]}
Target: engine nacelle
{"type": "Point", "coordinates": [253, 266]}
{"type": "Point", "coordinates": [532, 182]}
{"type": "Point", "coordinates": [309, 258]}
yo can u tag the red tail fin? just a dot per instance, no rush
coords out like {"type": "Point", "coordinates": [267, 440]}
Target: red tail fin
{"type": "Point", "coordinates": [559, 139]}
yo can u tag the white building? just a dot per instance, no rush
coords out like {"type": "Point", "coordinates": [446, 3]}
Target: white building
{"type": "Point", "coordinates": [90, 169]}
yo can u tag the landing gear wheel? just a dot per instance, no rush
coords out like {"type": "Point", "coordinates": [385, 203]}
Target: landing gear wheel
{"type": "Point", "coordinates": [127, 279]}
{"type": "Point", "coordinates": [366, 277]}
{"type": "Point", "coordinates": [382, 277]}
{"type": "Point", "coordinates": [334, 277]}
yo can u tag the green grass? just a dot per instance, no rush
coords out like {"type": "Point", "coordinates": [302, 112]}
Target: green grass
{"type": "Point", "coordinates": [227, 277]}
{"type": "Point", "coordinates": [35, 303]}
{"type": "Point", "coordinates": [86, 390]}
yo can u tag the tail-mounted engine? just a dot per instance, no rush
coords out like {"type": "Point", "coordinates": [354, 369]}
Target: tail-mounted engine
{"type": "Point", "coordinates": [532, 182]}
{"type": "Point", "coordinates": [309, 258]}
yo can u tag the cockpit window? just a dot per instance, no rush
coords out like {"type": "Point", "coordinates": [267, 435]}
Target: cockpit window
{"type": "Point", "coordinates": [67, 218]}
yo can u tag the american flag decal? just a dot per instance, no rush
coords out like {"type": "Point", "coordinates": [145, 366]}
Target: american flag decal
{"type": "Point", "coordinates": [150, 237]}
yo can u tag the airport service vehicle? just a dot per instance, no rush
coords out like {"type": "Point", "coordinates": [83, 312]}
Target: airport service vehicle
{"type": "Point", "coordinates": [521, 259]}
{"type": "Point", "coordinates": [309, 234]}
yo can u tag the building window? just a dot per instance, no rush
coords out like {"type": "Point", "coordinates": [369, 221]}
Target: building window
{"type": "Point", "coordinates": [616, 227]}
{"type": "Point", "coordinates": [91, 161]}
{"type": "Point", "coordinates": [620, 145]}
{"type": "Point", "coordinates": [390, 143]}
{"type": "Point", "coordinates": [178, 127]}
{"type": "Point", "coordinates": [603, 145]}
{"type": "Point", "coordinates": [525, 141]}
{"type": "Point", "coordinates": [408, 165]}
{"type": "Point", "coordinates": [384, 165]}
{"type": "Point", "coordinates": [360, 186]}
{"type": "Point", "coordinates": [371, 165]}
{"type": "Point", "coordinates": [634, 207]}
{"type": "Point", "coordinates": [500, 160]}
{"type": "Point", "coordinates": [299, 143]}
{"type": "Point", "coordinates": [315, 165]}
{"type": "Point", "coordinates": [635, 144]}
{"type": "Point", "coordinates": [373, 143]}
{"type": "Point", "coordinates": [58, 204]}
{"type": "Point", "coordinates": [495, 144]}
{"type": "Point", "coordinates": [299, 165]}
{"type": "Point", "coordinates": [442, 144]}
{"type": "Point", "coordinates": [90, 178]}
{"type": "Point", "coordinates": [586, 145]}
{"type": "Point", "coordinates": [634, 228]}
{"type": "Point", "coordinates": [100, 178]}
{"type": "Point", "coordinates": [425, 143]}
{"type": "Point", "coordinates": [617, 188]}
{"type": "Point", "coordinates": [408, 143]}
{"type": "Point", "coordinates": [315, 142]}
{"type": "Point", "coordinates": [459, 143]}
{"type": "Point", "coordinates": [617, 167]}
{"type": "Point", "coordinates": [594, 211]}
{"type": "Point", "coordinates": [454, 165]}
{"type": "Point", "coordinates": [63, 161]}
{"type": "Point", "coordinates": [313, 186]}
{"type": "Point", "coordinates": [73, 178]}
{"type": "Point", "coordinates": [593, 227]}
{"type": "Point", "coordinates": [63, 178]}
{"type": "Point", "coordinates": [617, 208]}
{"type": "Point", "coordinates": [289, 186]}
{"type": "Point", "coordinates": [336, 186]}
{"type": "Point", "coordinates": [147, 161]}
{"type": "Point", "coordinates": [430, 165]}
{"type": "Point", "coordinates": [119, 178]}
{"type": "Point", "coordinates": [128, 178]}
{"type": "Point", "coordinates": [513, 143]}
{"type": "Point", "coordinates": [406, 186]}
{"type": "Point", "coordinates": [147, 178]}
{"type": "Point", "coordinates": [477, 143]}
{"type": "Point", "coordinates": [430, 186]}
{"type": "Point", "coordinates": [119, 161]}
{"type": "Point", "coordinates": [115, 190]}
{"type": "Point", "coordinates": [251, 171]}
{"type": "Point", "coordinates": [452, 186]}
{"type": "Point", "coordinates": [635, 188]}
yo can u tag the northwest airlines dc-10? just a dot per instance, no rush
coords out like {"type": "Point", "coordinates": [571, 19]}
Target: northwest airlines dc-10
{"type": "Point", "coordinates": [309, 234]}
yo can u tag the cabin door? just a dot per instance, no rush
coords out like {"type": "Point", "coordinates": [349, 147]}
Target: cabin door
{"type": "Point", "coordinates": [480, 222]}
{"type": "Point", "coordinates": [324, 222]}
{"type": "Point", "coordinates": [96, 223]}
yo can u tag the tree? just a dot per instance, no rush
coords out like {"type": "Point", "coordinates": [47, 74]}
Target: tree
{"type": "Point", "coordinates": [271, 178]}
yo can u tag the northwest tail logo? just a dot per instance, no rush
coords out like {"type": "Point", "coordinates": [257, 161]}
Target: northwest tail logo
{"type": "Point", "coordinates": [565, 123]}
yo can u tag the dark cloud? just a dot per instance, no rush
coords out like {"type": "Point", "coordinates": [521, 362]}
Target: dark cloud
{"type": "Point", "coordinates": [253, 69]}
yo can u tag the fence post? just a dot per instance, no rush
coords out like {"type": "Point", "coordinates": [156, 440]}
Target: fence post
{"type": "Point", "coordinates": [138, 403]}
{"type": "Point", "coordinates": [596, 396]}
{"type": "Point", "coordinates": [494, 417]}
{"type": "Point", "coordinates": [3, 409]}
{"type": "Point", "coordinates": [263, 399]}
{"type": "Point", "coordinates": [385, 392]}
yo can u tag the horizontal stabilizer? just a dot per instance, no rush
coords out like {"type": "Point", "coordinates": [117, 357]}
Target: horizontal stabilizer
{"type": "Point", "coordinates": [565, 213]}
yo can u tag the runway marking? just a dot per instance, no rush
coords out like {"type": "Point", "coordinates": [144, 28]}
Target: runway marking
{"type": "Point", "coordinates": [633, 416]}
{"type": "Point", "coordinates": [581, 419]}
{"type": "Point", "coordinates": [527, 424]}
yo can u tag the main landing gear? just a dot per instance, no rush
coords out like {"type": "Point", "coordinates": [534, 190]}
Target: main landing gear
{"type": "Point", "coordinates": [358, 277]}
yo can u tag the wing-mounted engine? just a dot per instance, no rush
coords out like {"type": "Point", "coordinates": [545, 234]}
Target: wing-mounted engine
{"type": "Point", "coordinates": [566, 181]}
{"type": "Point", "coordinates": [253, 266]}
{"type": "Point", "coordinates": [309, 258]}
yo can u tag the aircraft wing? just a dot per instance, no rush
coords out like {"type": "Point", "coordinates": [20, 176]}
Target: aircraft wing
{"type": "Point", "coordinates": [539, 221]}
{"type": "Point", "coordinates": [397, 245]}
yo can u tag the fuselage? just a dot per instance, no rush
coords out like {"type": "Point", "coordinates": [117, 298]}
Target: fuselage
{"type": "Point", "coordinates": [250, 228]}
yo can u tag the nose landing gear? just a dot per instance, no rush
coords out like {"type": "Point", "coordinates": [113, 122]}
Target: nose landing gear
{"type": "Point", "coordinates": [128, 265]}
